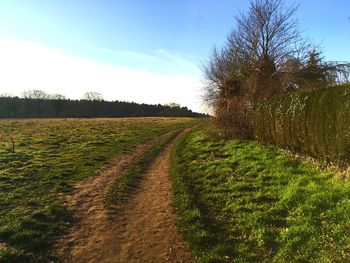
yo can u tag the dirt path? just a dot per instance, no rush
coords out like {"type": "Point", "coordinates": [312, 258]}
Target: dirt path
{"type": "Point", "coordinates": [142, 231]}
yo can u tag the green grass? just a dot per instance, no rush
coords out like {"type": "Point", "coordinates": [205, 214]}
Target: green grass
{"type": "Point", "coordinates": [239, 201]}
{"type": "Point", "coordinates": [50, 156]}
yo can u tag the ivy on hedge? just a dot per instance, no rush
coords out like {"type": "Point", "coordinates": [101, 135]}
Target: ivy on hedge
{"type": "Point", "coordinates": [316, 122]}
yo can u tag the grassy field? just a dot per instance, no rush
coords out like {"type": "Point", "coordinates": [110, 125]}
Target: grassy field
{"type": "Point", "coordinates": [239, 201]}
{"type": "Point", "coordinates": [49, 157]}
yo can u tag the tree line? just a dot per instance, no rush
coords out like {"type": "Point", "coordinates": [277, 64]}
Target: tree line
{"type": "Point", "coordinates": [39, 104]}
{"type": "Point", "coordinates": [265, 55]}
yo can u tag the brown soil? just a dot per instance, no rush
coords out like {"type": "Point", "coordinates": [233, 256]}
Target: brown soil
{"type": "Point", "coordinates": [144, 228]}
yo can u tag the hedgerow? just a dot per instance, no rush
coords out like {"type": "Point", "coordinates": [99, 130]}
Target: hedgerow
{"type": "Point", "coordinates": [316, 122]}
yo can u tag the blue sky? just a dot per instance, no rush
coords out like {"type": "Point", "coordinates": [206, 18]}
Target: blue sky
{"type": "Point", "coordinates": [136, 50]}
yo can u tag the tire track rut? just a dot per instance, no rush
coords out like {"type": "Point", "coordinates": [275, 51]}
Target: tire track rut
{"type": "Point", "coordinates": [143, 229]}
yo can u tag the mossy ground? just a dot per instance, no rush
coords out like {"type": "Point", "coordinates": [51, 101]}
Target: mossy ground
{"type": "Point", "coordinates": [50, 156]}
{"type": "Point", "coordinates": [240, 201]}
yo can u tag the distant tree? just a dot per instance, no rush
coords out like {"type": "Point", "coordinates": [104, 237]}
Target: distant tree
{"type": "Point", "coordinates": [173, 105]}
{"type": "Point", "coordinates": [57, 97]}
{"type": "Point", "coordinates": [37, 98]}
{"type": "Point", "coordinates": [93, 99]}
{"type": "Point", "coordinates": [58, 101]}
{"type": "Point", "coordinates": [93, 96]}
{"type": "Point", "coordinates": [8, 103]}
{"type": "Point", "coordinates": [33, 105]}
{"type": "Point", "coordinates": [6, 95]}
{"type": "Point", "coordinates": [35, 94]}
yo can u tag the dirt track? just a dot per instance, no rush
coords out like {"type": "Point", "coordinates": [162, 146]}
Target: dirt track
{"type": "Point", "coordinates": [142, 231]}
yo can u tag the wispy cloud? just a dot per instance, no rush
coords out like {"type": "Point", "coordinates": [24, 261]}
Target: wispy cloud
{"type": "Point", "coordinates": [25, 65]}
{"type": "Point", "coordinates": [160, 61]}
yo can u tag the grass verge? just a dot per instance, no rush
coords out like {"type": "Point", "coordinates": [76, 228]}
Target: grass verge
{"type": "Point", "coordinates": [239, 201]}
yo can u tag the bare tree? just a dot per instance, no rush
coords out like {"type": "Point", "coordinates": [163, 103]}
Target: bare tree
{"type": "Point", "coordinates": [93, 96]}
{"type": "Point", "coordinates": [58, 101]}
{"type": "Point", "coordinates": [57, 97]}
{"type": "Point", "coordinates": [35, 94]}
{"type": "Point", "coordinates": [37, 97]}
{"type": "Point", "coordinates": [252, 64]}
{"type": "Point", "coordinates": [267, 31]}
{"type": "Point", "coordinates": [173, 105]}
{"type": "Point", "coordinates": [6, 95]}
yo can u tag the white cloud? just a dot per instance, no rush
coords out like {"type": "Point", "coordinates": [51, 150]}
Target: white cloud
{"type": "Point", "coordinates": [161, 60]}
{"type": "Point", "coordinates": [25, 65]}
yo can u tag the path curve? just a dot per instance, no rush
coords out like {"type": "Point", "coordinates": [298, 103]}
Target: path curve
{"type": "Point", "coordinates": [144, 228]}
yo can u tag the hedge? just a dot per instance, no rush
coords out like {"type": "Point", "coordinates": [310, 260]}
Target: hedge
{"type": "Point", "coordinates": [316, 123]}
